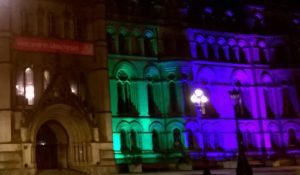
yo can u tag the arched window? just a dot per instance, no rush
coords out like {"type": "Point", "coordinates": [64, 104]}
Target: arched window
{"type": "Point", "coordinates": [121, 103]}
{"type": "Point", "coordinates": [110, 43]}
{"type": "Point", "coordinates": [248, 140]}
{"type": "Point", "coordinates": [177, 139]}
{"type": "Point", "coordinates": [155, 141]}
{"type": "Point", "coordinates": [242, 56]}
{"type": "Point", "coordinates": [46, 79]}
{"type": "Point", "coordinates": [133, 141]}
{"type": "Point", "coordinates": [210, 52]}
{"type": "Point", "coordinates": [123, 140]}
{"type": "Point", "coordinates": [122, 44]}
{"type": "Point", "coordinates": [151, 103]}
{"type": "Point", "coordinates": [292, 138]}
{"type": "Point", "coordinates": [207, 142]}
{"type": "Point", "coordinates": [51, 24]}
{"type": "Point", "coordinates": [148, 46]}
{"type": "Point", "coordinates": [222, 55]}
{"type": "Point", "coordinates": [191, 140]}
{"type": "Point", "coordinates": [29, 86]}
{"type": "Point", "coordinates": [127, 95]}
{"type": "Point", "coordinates": [200, 53]}
{"type": "Point", "coordinates": [173, 98]}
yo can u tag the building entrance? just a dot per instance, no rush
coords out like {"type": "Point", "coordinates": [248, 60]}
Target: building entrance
{"type": "Point", "coordinates": [51, 146]}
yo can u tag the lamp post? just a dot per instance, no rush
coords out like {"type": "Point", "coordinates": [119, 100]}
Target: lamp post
{"type": "Point", "coordinates": [243, 167]}
{"type": "Point", "coordinates": [199, 99]}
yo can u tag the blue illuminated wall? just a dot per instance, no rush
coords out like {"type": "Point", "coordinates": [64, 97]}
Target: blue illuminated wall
{"type": "Point", "coordinates": [215, 62]}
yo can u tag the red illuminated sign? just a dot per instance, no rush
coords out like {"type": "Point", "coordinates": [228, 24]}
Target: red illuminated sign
{"type": "Point", "coordinates": [53, 46]}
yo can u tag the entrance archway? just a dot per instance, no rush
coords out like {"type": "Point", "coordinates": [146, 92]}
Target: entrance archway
{"type": "Point", "coordinates": [51, 146]}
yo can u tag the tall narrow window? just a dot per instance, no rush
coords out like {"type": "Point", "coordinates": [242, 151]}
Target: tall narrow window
{"type": "Point", "coordinates": [123, 140]}
{"type": "Point", "coordinates": [67, 24]}
{"type": "Point", "coordinates": [155, 141]}
{"type": "Point", "coordinates": [110, 43]}
{"type": "Point", "coordinates": [200, 53]}
{"type": "Point", "coordinates": [29, 86]}
{"type": "Point", "coordinates": [133, 141]}
{"type": "Point", "coordinates": [248, 140]}
{"type": "Point", "coordinates": [292, 138]}
{"type": "Point", "coordinates": [173, 98]}
{"type": "Point", "coordinates": [122, 44]}
{"type": "Point", "coordinates": [151, 104]}
{"type": "Point", "coordinates": [207, 142]}
{"type": "Point", "coordinates": [46, 78]}
{"type": "Point", "coordinates": [127, 95]}
{"type": "Point", "coordinates": [177, 139]}
{"type": "Point", "coordinates": [148, 46]}
{"type": "Point", "coordinates": [262, 56]}
{"type": "Point", "coordinates": [222, 55]}
{"type": "Point", "coordinates": [136, 45]}
{"type": "Point", "coordinates": [242, 56]}
{"type": "Point", "coordinates": [274, 141]}
{"type": "Point", "coordinates": [121, 104]}
{"type": "Point", "coordinates": [210, 52]}
{"type": "Point", "coordinates": [232, 56]}
{"type": "Point", "coordinates": [40, 21]}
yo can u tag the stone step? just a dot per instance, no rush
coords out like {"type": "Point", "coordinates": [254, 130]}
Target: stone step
{"type": "Point", "coordinates": [59, 172]}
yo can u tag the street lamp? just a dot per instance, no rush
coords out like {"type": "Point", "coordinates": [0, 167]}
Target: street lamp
{"type": "Point", "coordinates": [199, 99]}
{"type": "Point", "coordinates": [243, 167]}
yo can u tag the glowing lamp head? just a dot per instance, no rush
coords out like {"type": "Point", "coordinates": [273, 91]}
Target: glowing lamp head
{"type": "Point", "coordinates": [198, 92]}
{"type": "Point", "coordinates": [204, 99]}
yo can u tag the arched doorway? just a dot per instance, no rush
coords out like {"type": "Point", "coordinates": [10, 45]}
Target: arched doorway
{"type": "Point", "coordinates": [51, 146]}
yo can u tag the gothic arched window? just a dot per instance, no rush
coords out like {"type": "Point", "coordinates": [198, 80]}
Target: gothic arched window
{"type": "Point", "coordinates": [288, 108]}
{"type": "Point", "coordinates": [136, 45]}
{"type": "Point", "coordinates": [274, 140]}
{"type": "Point", "coordinates": [210, 52]}
{"type": "Point", "coordinates": [222, 55]}
{"type": "Point", "coordinates": [155, 141]}
{"type": "Point", "coordinates": [262, 56]}
{"type": "Point", "coordinates": [186, 96]}
{"type": "Point", "coordinates": [232, 56]}
{"type": "Point", "coordinates": [242, 56]}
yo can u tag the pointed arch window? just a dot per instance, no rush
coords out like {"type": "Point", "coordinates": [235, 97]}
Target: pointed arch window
{"type": "Point", "coordinates": [269, 111]}
{"type": "Point", "coordinates": [274, 141]}
{"type": "Point", "coordinates": [123, 140]}
{"type": "Point", "coordinates": [155, 141]}
{"type": "Point", "coordinates": [177, 139]}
